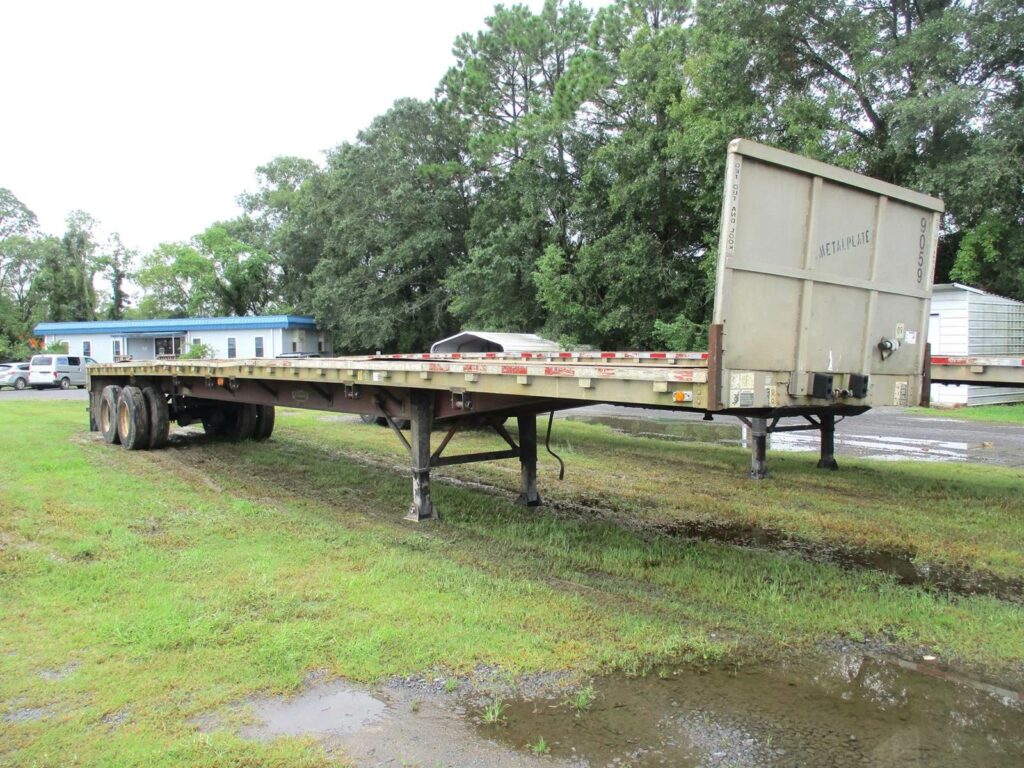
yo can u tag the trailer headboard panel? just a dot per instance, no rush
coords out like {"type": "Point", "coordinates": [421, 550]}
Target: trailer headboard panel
{"type": "Point", "coordinates": [820, 271]}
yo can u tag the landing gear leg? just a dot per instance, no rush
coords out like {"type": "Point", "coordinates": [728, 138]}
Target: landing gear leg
{"type": "Point", "coordinates": [827, 428]}
{"type": "Point", "coordinates": [759, 448]}
{"type": "Point", "coordinates": [528, 495]}
{"type": "Point", "coordinates": [422, 406]}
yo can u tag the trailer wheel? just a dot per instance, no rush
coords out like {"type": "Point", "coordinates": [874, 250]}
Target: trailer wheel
{"type": "Point", "coordinates": [132, 419]}
{"type": "Point", "coordinates": [159, 416]}
{"type": "Point", "coordinates": [243, 424]}
{"type": "Point", "coordinates": [264, 422]}
{"type": "Point", "coordinates": [107, 421]}
{"type": "Point", "coordinates": [215, 423]}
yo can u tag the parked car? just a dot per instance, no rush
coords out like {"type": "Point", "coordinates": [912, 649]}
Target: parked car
{"type": "Point", "coordinates": [64, 371]}
{"type": "Point", "coordinates": [13, 375]}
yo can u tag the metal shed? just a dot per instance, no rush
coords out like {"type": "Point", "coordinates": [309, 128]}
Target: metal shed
{"type": "Point", "coordinates": [967, 321]}
{"type": "Point", "coordinates": [485, 341]}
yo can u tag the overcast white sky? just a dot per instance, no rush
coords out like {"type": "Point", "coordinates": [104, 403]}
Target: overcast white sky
{"type": "Point", "coordinates": [153, 117]}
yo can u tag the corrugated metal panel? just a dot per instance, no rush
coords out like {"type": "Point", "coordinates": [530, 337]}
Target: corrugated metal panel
{"type": "Point", "coordinates": [996, 325]}
{"type": "Point", "coordinates": [993, 395]}
{"type": "Point", "coordinates": [177, 324]}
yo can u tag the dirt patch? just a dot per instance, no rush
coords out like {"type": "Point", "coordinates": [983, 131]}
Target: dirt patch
{"type": "Point", "coordinates": [902, 564]}
{"type": "Point", "coordinates": [26, 714]}
{"type": "Point", "coordinates": [55, 675]}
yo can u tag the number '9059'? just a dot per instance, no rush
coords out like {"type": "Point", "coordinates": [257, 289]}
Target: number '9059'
{"type": "Point", "coordinates": [922, 240]}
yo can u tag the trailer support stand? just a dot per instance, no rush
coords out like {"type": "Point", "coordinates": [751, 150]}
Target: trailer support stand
{"type": "Point", "coordinates": [528, 495]}
{"type": "Point", "coordinates": [421, 404]}
{"type": "Point", "coordinates": [758, 448]}
{"type": "Point", "coordinates": [827, 427]}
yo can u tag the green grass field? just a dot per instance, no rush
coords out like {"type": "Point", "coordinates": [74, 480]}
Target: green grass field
{"type": "Point", "coordinates": [1007, 414]}
{"type": "Point", "coordinates": [141, 590]}
{"type": "Point", "coordinates": [960, 515]}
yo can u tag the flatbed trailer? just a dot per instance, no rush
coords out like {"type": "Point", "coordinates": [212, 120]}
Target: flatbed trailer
{"type": "Point", "coordinates": [978, 370]}
{"type": "Point", "coordinates": [821, 309]}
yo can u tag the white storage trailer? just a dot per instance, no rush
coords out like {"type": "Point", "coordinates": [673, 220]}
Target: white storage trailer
{"type": "Point", "coordinates": [821, 311]}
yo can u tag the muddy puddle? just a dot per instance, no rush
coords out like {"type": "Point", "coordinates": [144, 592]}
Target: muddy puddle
{"type": "Point", "coordinates": [324, 709]}
{"type": "Point", "coordinates": [848, 709]}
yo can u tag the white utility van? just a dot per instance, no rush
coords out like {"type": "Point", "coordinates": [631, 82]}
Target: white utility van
{"type": "Point", "coordinates": [64, 371]}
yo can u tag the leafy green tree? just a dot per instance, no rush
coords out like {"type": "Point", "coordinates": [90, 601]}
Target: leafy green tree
{"type": "Point", "coordinates": [115, 265]}
{"type": "Point", "coordinates": [278, 224]}
{"type": "Point", "coordinates": [245, 274]}
{"type": "Point", "coordinates": [638, 257]}
{"type": "Point", "coordinates": [65, 281]}
{"type": "Point", "coordinates": [177, 281]}
{"type": "Point", "coordinates": [22, 260]}
{"type": "Point", "coordinates": [19, 263]}
{"type": "Point", "coordinates": [15, 217]}
{"type": "Point", "coordinates": [526, 163]}
{"type": "Point", "coordinates": [219, 273]}
{"type": "Point", "coordinates": [392, 211]}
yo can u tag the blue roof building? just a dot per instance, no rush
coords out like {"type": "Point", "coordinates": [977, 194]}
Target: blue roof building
{"type": "Point", "coordinates": [228, 337]}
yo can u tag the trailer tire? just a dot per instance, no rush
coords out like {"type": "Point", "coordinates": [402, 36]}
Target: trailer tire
{"type": "Point", "coordinates": [264, 422]}
{"type": "Point", "coordinates": [242, 426]}
{"type": "Point", "coordinates": [216, 423]}
{"type": "Point", "coordinates": [107, 420]}
{"type": "Point", "coordinates": [132, 419]}
{"type": "Point", "coordinates": [159, 417]}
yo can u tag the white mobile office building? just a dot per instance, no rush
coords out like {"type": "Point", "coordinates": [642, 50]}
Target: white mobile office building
{"type": "Point", "coordinates": [968, 321]}
{"type": "Point", "coordinates": [109, 341]}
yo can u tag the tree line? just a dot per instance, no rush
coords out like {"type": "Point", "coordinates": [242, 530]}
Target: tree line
{"type": "Point", "coordinates": [566, 176]}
